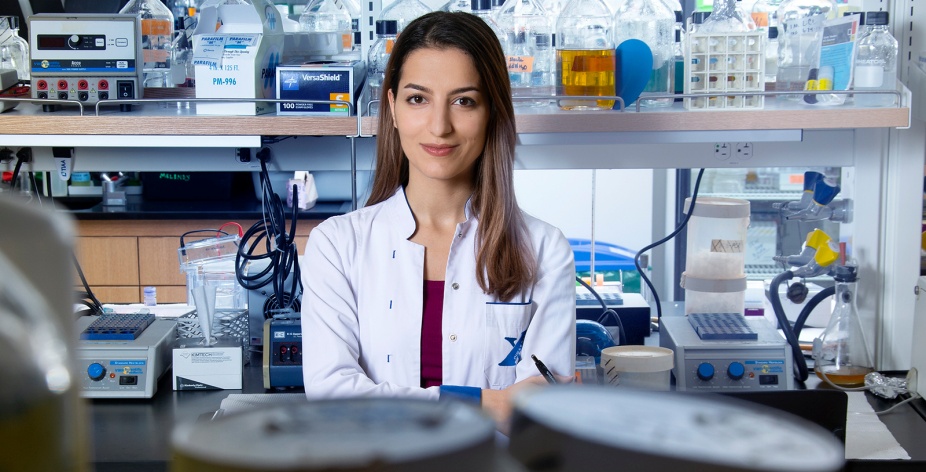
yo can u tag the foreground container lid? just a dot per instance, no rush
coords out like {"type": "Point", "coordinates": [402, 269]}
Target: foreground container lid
{"type": "Point", "coordinates": [718, 207]}
{"type": "Point", "coordinates": [638, 358]}
{"type": "Point", "coordinates": [585, 428]}
{"type": "Point", "coordinates": [380, 434]}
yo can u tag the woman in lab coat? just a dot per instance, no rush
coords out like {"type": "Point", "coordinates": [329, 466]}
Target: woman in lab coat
{"type": "Point", "coordinates": [441, 286]}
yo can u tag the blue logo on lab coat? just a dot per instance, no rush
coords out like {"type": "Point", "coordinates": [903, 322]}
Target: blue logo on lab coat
{"type": "Point", "coordinates": [514, 356]}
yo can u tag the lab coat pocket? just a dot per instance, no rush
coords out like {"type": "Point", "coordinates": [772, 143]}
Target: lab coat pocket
{"type": "Point", "coordinates": [506, 325]}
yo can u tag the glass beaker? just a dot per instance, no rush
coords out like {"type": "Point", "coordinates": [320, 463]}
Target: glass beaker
{"type": "Point", "coordinates": [800, 29]}
{"type": "Point", "coordinates": [157, 33]}
{"type": "Point", "coordinates": [528, 49]}
{"type": "Point", "coordinates": [841, 354]}
{"type": "Point", "coordinates": [14, 50]}
{"type": "Point", "coordinates": [585, 56]}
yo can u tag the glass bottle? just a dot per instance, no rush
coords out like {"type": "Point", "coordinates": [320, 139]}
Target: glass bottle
{"type": "Point", "coordinates": [403, 12]}
{"type": "Point", "coordinates": [326, 16]}
{"type": "Point", "coordinates": [841, 353]}
{"type": "Point", "coordinates": [41, 415]}
{"type": "Point", "coordinates": [800, 28]}
{"type": "Point", "coordinates": [529, 49]}
{"type": "Point", "coordinates": [724, 18]}
{"type": "Point", "coordinates": [157, 33]}
{"type": "Point", "coordinates": [771, 55]}
{"type": "Point", "coordinates": [14, 50]}
{"type": "Point", "coordinates": [457, 5]}
{"type": "Point", "coordinates": [765, 13]}
{"type": "Point", "coordinates": [876, 63]}
{"type": "Point", "coordinates": [378, 58]}
{"type": "Point", "coordinates": [652, 22]}
{"type": "Point", "coordinates": [585, 54]}
{"type": "Point", "coordinates": [483, 9]}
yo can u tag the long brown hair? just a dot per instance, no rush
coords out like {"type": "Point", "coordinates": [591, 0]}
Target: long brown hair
{"type": "Point", "coordinates": [505, 263]}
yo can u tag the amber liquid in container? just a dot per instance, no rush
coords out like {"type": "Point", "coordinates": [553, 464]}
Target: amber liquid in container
{"type": "Point", "coordinates": [585, 72]}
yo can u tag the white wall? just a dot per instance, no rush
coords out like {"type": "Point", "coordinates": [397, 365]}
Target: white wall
{"type": "Point", "coordinates": [563, 198]}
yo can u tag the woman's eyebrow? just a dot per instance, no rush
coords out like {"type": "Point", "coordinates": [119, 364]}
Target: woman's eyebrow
{"type": "Point", "coordinates": [422, 88]}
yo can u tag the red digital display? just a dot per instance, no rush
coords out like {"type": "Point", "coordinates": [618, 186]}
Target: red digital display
{"type": "Point", "coordinates": [52, 41]}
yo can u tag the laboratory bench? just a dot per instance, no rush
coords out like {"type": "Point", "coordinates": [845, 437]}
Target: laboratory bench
{"type": "Point", "coordinates": [134, 435]}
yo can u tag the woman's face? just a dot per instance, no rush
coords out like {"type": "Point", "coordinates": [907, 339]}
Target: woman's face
{"type": "Point", "coordinates": [441, 114]}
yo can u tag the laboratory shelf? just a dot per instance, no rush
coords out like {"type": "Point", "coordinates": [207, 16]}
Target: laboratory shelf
{"type": "Point", "coordinates": [162, 119]}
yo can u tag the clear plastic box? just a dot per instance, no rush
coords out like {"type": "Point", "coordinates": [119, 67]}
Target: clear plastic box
{"type": "Point", "coordinates": [729, 62]}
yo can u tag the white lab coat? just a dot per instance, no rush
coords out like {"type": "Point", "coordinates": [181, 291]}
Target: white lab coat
{"type": "Point", "coordinates": [362, 306]}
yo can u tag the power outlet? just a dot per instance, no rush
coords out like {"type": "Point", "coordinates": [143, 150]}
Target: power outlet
{"type": "Point", "coordinates": [723, 151]}
{"type": "Point", "coordinates": [743, 151]}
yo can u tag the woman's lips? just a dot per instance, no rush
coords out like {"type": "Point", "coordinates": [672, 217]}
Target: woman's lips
{"type": "Point", "coordinates": [439, 150]}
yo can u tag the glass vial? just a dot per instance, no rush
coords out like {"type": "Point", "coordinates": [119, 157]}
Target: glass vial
{"type": "Point", "coordinates": [876, 63]}
{"type": "Point", "coordinates": [652, 22]}
{"type": "Point", "coordinates": [800, 28]}
{"type": "Point", "coordinates": [326, 16]}
{"type": "Point", "coordinates": [528, 30]}
{"type": "Point", "coordinates": [403, 12]}
{"type": "Point", "coordinates": [14, 50]}
{"type": "Point", "coordinates": [841, 353]}
{"type": "Point", "coordinates": [378, 58]}
{"type": "Point", "coordinates": [585, 54]}
{"type": "Point", "coordinates": [157, 32]}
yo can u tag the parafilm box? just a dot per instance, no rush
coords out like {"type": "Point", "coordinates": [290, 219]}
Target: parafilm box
{"type": "Point", "coordinates": [319, 81]}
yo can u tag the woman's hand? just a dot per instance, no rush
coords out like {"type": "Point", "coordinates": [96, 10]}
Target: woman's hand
{"type": "Point", "coordinates": [498, 403]}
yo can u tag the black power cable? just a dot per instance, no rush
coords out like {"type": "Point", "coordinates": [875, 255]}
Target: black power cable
{"type": "Point", "coordinates": [279, 248]}
{"type": "Point", "coordinates": [636, 259]}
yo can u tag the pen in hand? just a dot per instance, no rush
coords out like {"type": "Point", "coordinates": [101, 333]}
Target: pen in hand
{"type": "Point", "coordinates": [543, 370]}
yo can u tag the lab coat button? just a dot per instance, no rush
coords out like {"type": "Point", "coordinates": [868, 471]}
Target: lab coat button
{"type": "Point", "coordinates": [455, 286]}
{"type": "Point", "coordinates": [453, 337]}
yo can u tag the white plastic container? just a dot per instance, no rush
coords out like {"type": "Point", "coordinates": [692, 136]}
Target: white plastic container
{"type": "Point", "coordinates": [715, 268]}
{"type": "Point", "coordinates": [640, 367]}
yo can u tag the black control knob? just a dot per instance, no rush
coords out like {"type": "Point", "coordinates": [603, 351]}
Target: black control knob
{"type": "Point", "coordinates": [74, 41]}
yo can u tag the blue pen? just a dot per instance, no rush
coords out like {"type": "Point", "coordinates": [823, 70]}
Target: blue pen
{"type": "Point", "coordinates": [543, 370]}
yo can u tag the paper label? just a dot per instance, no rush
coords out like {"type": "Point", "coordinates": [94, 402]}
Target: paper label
{"type": "Point", "coordinates": [520, 64]}
{"type": "Point", "coordinates": [727, 245]}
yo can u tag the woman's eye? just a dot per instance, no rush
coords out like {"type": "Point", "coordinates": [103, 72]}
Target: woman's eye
{"type": "Point", "coordinates": [415, 99]}
{"type": "Point", "coordinates": [466, 101]}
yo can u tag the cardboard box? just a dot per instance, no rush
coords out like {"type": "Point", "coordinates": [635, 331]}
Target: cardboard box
{"type": "Point", "coordinates": [216, 367]}
{"type": "Point", "coordinates": [236, 49]}
{"type": "Point", "coordinates": [320, 81]}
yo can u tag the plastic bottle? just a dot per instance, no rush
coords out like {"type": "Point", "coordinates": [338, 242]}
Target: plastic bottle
{"type": "Point", "coordinates": [652, 22]}
{"type": "Point", "coordinates": [585, 54]}
{"type": "Point", "coordinates": [326, 16]}
{"type": "Point", "coordinates": [157, 33]}
{"type": "Point", "coordinates": [841, 353]}
{"type": "Point", "coordinates": [799, 32]}
{"type": "Point", "coordinates": [876, 63]}
{"type": "Point", "coordinates": [378, 58]}
{"type": "Point", "coordinates": [42, 423]}
{"type": "Point", "coordinates": [528, 30]}
{"type": "Point", "coordinates": [403, 12]}
{"type": "Point", "coordinates": [14, 50]}
{"type": "Point", "coordinates": [150, 296]}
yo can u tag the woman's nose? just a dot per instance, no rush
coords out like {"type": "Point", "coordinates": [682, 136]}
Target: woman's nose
{"type": "Point", "coordinates": [440, 124]}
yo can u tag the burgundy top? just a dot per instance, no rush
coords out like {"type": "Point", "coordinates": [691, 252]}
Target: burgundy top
{"type": "Point", "coordinates": [431, 343]}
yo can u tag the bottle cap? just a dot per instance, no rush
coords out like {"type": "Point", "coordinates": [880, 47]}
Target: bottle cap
{"type": "Point", "coordinates": [387, 27]}
{"type": "Point", "coordinates": [679, 17]}
{"type": "Point", "coordinates": [846, 273]}
{"type": "Point", "coordinates": [875, 18]}
{"type": "Point", "coordinates": [772, 32]}
{"type": "Point", "coordinates": [497, 3]}
{"type": "Point", "coordinates": [481, 5]}
{"type": "Point", "coordinates": [698, 17]}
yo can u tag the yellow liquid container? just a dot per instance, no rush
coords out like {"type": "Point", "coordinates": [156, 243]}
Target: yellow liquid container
{"type": "Point", "coordinates": [585, 72]}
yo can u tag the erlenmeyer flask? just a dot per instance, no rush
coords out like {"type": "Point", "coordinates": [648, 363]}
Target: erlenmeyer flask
{"type": "Point", "coordinates": [841, 354]}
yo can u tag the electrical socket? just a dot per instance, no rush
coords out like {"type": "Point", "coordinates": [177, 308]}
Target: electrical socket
{"type": "Point", "coordinates": [722, 151]}
{"type": "Point", "coordinates": [743, 150]}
